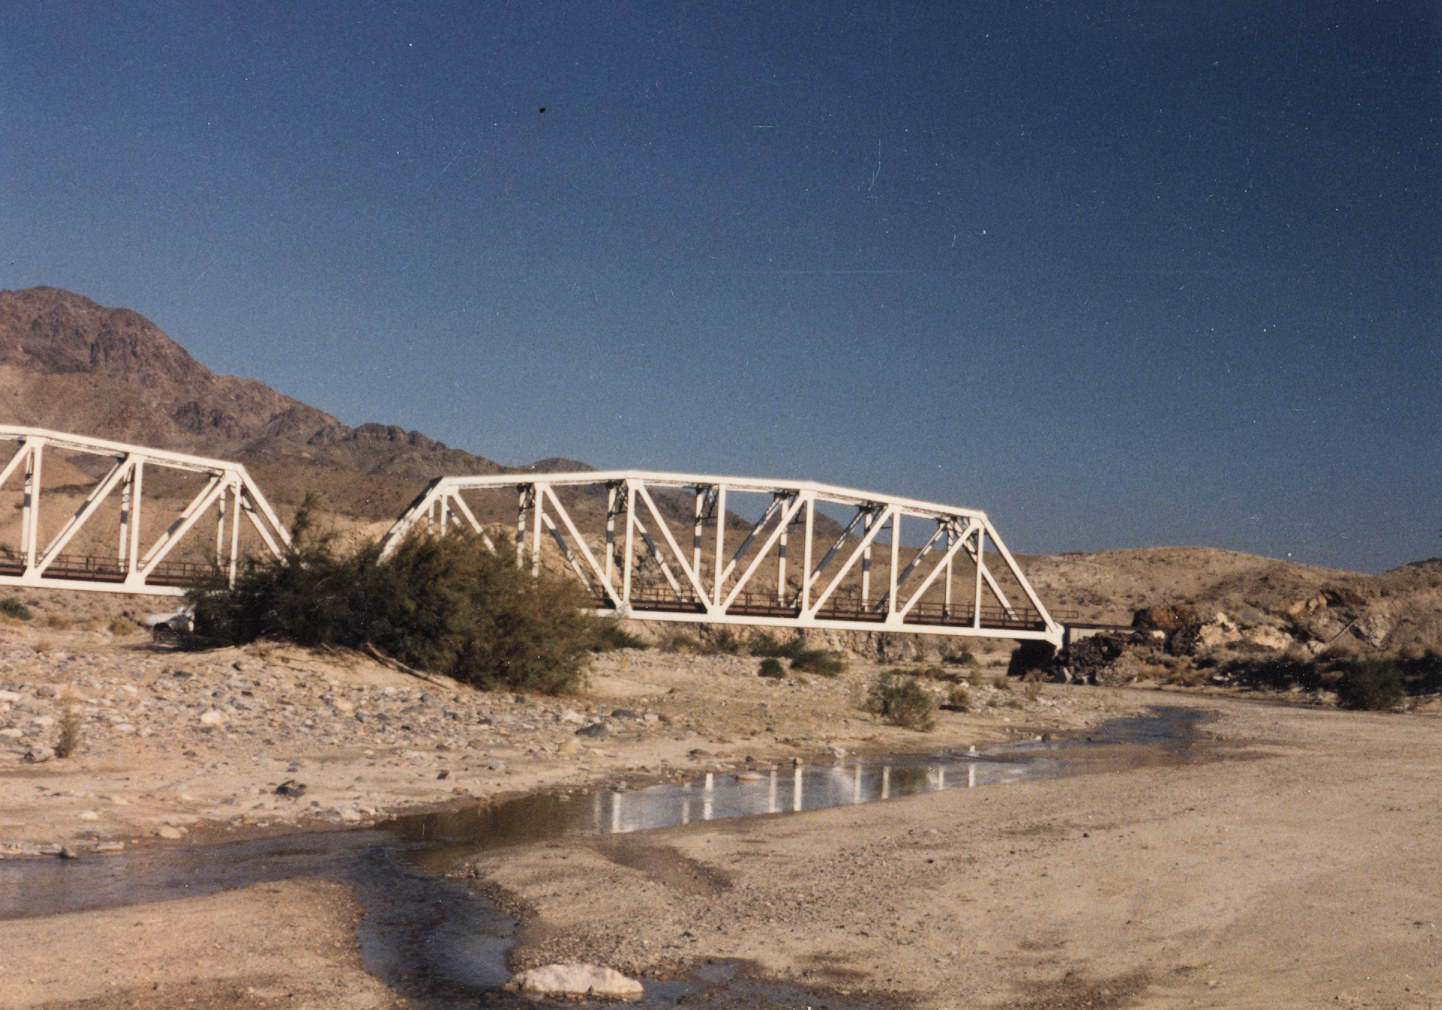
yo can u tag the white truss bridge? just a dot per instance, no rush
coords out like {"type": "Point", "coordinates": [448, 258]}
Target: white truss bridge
{"type": "Point", "coordinates": [667, 547]}
{"type": "Point", "coordinates": [100, 515]}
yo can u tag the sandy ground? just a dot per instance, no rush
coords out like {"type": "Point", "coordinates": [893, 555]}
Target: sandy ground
{"type": "Point", "coordinates": [1291, 862]}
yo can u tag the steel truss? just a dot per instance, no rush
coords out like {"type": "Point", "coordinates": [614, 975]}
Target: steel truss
{"type": "Point", "coordinates": [139, 563]}
{"type": "Point", "coordinates": [961, 580]}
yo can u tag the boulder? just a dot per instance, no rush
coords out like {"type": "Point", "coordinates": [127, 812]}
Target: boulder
{"type": "Point", "coordinates": [575, 980]}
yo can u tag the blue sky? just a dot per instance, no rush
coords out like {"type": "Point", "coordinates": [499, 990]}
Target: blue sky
{"type": "Point", "coordinates": [1121, 274]}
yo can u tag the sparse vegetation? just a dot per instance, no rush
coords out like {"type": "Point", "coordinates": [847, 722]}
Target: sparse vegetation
{"type": "Point", "coordinates": [682, 642]}
{"type": "Point", "coordinates": [69, 741]}
{"type": "Point", "coordinates": [771, 667]}
{"type": "Point", "coordinates": [817, 661]}
{"type": "Point", "coordinates": [762, 644]}
{"type": "Point", "coordinates": [444, 604]}
{"type": "Point", "coordinates": [12, 606]}
{"type": "Point", "coordinates": [1370, 684]}
{"type": "Point", "coordinates": [958, 656]}
{"type": "Point", "coordinates": [901, 701]}
{"type": "Point", "coordinates": [610, 636]}
{"type": "Point", "coordinates": [959, 699]}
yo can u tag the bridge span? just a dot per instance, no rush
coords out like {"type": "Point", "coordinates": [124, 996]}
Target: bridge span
{"type": "Point", "coordinates": [100, 515]}
{"type": "Point", "coordinates": [671, 547]}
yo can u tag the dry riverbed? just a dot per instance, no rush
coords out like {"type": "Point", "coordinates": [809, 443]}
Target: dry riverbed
{"type": "Point", "coordinates": [1290, 861]}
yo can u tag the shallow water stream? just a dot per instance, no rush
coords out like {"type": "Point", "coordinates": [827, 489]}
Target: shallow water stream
{"type": "Point", "coordinates": [440, 947]}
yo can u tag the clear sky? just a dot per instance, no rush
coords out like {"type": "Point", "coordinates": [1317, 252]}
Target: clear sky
{"type": "Point", "coordinates": [1119, 273]}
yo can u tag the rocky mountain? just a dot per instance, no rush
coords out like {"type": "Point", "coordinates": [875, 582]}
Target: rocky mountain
{"type": "Point", "coordinates": [69, 364]}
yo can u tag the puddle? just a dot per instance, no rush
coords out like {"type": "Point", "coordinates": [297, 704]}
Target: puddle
{"type": "Point", "coordinates": [438, 946]}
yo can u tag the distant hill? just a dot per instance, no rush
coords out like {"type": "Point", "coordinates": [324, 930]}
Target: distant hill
{"type": "Point", "coordinates": [69, 364]}
{"type": "Point", "coordinates": [1393, 610]}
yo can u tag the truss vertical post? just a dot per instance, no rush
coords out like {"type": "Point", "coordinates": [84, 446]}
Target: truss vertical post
{"type": "Point", "coordinates": [718, 578]}
{"type": "Point", "coordinates": [30, 511]}
{"type": "Point", "coordinates": [781, 561]}
{"type": "Point", "coordinates": [610, 532]}
{"type": "Point", "coordinates": [894, 577]}
{"type": "Point", "coordinates": [235, 534]}
{"type": "Point", "coordinates": [220, 523]}
{"type": "Point", "coordinates": [806, 553]}
{"type": "Point", "coordinates": [630, 566]}
{"type": "Point", "coordinates": [521, 526]}
{"type": "Point", "coordinates": [538, 504]}
{"type": "Point", "coordinates": [980, 574]}
{"type": "Point", "coordinates": [696, 530]}
{"type": "Point", "coordinates": [122, 547]}
{"type": "Point", "coordinates": [866, 562]}
{"type": "Point", "coordinates": [950, 557]}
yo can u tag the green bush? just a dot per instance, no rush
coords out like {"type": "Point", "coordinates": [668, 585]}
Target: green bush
{"type": "Point", "coordinates": [11, 606]}
{"type": "Point", "coordinates": [1370, 684]}
{"type": "Point", "coordinates": [771, 667]}
{"type": "Point", "coordinates": [446, 604]}
{"type": "Point", "coordinates": [817, 661]}
{"type": "Point", "coordinates": [762, 644]}
{"type": "Point", "coordinates": [901, 701]}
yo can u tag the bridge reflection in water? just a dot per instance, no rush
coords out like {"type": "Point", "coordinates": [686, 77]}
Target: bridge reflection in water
{"type": "Point", "coordinates": [723, 795]}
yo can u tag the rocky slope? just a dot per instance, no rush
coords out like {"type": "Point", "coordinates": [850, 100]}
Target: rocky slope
{"type": "Point", "coordinates": [69, 364]}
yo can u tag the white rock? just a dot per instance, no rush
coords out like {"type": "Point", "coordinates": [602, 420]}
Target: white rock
{"type": "Point", "coordinates": [211, 717]}
{"type": "Point", "coordinates": [575, 980]}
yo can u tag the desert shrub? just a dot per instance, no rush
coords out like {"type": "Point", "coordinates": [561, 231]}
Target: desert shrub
{"type": "Point", "coordinates": [121, 626]}
{"type": "Point", "coordinates": [57, 621]}
{"type": "Point", "coordinates": [771, 667]}
{"type": "Point", "coordinates": [12, 606]}
{"type": "Point", "coordinates": [762, 645]}
{"type": "Point", "coordinates": [1032, 690]}
{"type": "Point", "coordinates": [682, 642]}
{"type": "Point", "coordinates": [446, 604]}
{"type": "Point", "coordinates": [69, 741]}
{"type": "Point", "coordinates": [817, 661]}
{"type": "Point", "coordinates": [901, 701]}
{"type": "Point", "coordinates": [724, 642]}
{"type": "Point", "coordinates": [959, 656]}
{"type": "Point", "coordinates": [610, 636]}
{"type": "Point", "coordinates": [940, 674]}
{"type": "Point", "coordinates": [1370, 684]}
{"type": "Point", "coordinates": [959, 699]}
